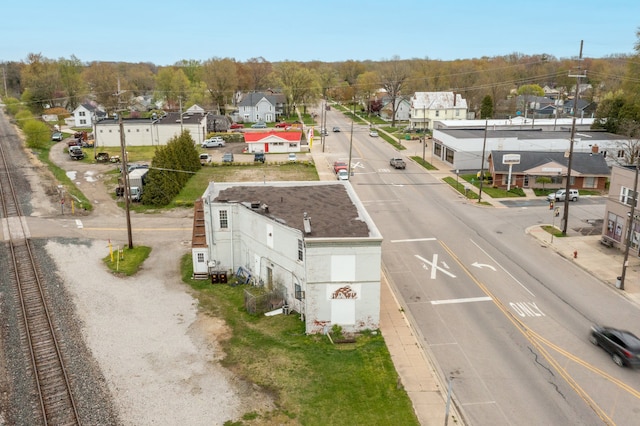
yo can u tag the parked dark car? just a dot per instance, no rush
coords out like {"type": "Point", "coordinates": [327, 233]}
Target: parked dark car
{"type": "Point", "coordinates": [623, 345]}
{"type": "Point", "coordinates": [259, 156]}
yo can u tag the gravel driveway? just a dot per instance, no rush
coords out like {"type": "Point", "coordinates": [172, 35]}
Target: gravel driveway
{"type": "Point", "coordinates": [157, 353]}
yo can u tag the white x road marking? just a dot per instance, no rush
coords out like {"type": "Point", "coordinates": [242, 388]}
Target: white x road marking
{"type": "Point", "coordinates": [434, 266]}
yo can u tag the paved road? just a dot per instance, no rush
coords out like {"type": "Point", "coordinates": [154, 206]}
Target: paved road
{"type": "Point", "coordinates": [502, 316]}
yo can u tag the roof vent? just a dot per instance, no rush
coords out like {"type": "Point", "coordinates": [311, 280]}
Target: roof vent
{"type": "Point", "coordinates": [307, 223]}
{"type": "Point", "coordinates": [255, 204]}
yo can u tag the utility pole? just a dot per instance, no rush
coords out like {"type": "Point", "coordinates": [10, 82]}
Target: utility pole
{"type": "Point", "coordinates": [578, 76]}
{"type": "Point", "coordinates": [484, 145]}
{"type": "Point", "coordinates": [351, 138]}
{"type": "Point", "coordinates": [323, 128]}
{"type": "Point", "coordinates": [125, 172]}
{"type": "Point", "coordinates": [424, 130]}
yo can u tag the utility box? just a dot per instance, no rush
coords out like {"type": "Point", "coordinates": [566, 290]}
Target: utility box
{"type": "Point", "coordinates": [215, 279]}
{"type": "Point", "coordinates": [223, 277]}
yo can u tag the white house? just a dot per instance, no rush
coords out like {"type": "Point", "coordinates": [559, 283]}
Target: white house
{"type": "Point", "coordinates": [402, 109]}
{"type": "Point", "coordinates": [312, 242]}
{"type": "Point", "coordinates": [274, 141]}
{"type": "Point", "coordinates": [86, 115]}
{"type": "Point", "coordinates": [260, 107]}
{"type": "Point", "coordinates": [427, 107]}
{"type": "Point", "coordinates": [151, 131]}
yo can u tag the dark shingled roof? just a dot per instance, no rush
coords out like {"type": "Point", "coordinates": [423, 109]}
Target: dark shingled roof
{"type": "Point", "coordinates": [582, 162]}
{"type": "Point", "coordinates": [331, 210]}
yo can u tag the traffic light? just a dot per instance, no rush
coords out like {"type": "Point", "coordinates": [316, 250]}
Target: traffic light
{"type": "Point", "coordinates": [550, 205]}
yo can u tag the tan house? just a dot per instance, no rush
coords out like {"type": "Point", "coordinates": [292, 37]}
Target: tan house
{"type": "Point", "coordinates": [618, 209]}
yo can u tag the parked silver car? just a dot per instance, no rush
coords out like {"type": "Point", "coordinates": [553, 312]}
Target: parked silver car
{"type": "Point", "coordinates": [559, 195]}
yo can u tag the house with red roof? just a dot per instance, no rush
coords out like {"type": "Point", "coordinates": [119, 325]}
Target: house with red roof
{"type": "Point", "coordinates": [273, 141]}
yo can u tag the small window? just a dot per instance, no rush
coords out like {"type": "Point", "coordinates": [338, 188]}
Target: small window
{"type": "Point", "coordinates": [299, 294]}
{"type": "Point", "coordinates": [200, 257]}
{"type": "Point", "coordinates": [300, 251]}
{"type": "Point", "coordinates": [224, 223]}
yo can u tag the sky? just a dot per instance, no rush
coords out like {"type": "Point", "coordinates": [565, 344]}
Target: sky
{"type": "Point", "coordinates": [164, 32]}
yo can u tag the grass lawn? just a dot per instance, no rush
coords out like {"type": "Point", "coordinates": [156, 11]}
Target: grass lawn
{"type": "Point", "coordinates": [314, 381]}
{"type": "Point", "coordinates": [239, 172]}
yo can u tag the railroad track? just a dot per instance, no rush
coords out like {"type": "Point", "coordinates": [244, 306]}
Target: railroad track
{"type": "Point", "coordinates": [56, 404]}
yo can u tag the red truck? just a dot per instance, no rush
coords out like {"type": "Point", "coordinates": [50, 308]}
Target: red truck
{"type": "Point", "coordinates": [339, 165]}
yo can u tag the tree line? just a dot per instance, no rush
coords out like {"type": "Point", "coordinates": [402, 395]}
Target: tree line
{"type": "Point", "coordinates": [486, 83]}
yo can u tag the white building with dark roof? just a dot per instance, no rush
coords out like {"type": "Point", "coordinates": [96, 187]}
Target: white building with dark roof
{"type": "Point", "coordinates": [151, 131]}
{"type": "Point", "coordinates": [311, 242]}
{"type": "Point", "coordinates": [462, 148]}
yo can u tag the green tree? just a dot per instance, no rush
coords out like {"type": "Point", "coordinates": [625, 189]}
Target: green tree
{"type": "Point", "coordinates": [174, 86]}
{"type": "Point", "coordinates": [42, 79]}
{"type": "Point", "coordinates": [172, 166]}
{"type": "Point", "coordinates": [104, 82]}
{"type": "Point", "coordinates": [70, 77]}
{"type": "Point", "coordinates": [254, 74]}
{"type": "Point", "coordinates": [486, 110]}
{"type": "Point", "coordinates": [300, 85]}
{"type": "Point", "coordinates": [221, 79]}
{"type": "Point", "coordinates": [37, 134]}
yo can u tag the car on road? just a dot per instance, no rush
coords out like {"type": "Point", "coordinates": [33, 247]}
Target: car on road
{"type": "Point", "coordinates": [622, 345]}
{"type": "Point", "coordinates": [235, 126]}
{"type": "Point", "coordinates": [293, 156]}
{"type": "Point", "coordinates": [213, 142]}
{"type": "Point", "coordinates": [227, 157]}
{"type": "Point", "coordinates": [259, 157]}
{"type": "Point", "coordinates": [373, 133]}
{"type": "Point", "coordinates": [283, 125]}
{"type": "Point", "coordinates": [259, 125]}
{"type": "Point", "coordinates": [339, 165]}
{"type": "Point", "coordinates": [343, 174]}
{"type": "Point", "coordinates": [336, 129]}
{"type": "Point", "coordinates": [57, 136]}
{"type": "Point", "coordinates": [560, 195]}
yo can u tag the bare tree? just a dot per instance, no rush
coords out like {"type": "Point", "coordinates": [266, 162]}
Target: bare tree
{"type": "Point", "coordinates": [393, 74]}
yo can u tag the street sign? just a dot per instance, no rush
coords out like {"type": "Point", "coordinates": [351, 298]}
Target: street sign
{"type": "Point", "coordinates": [511, 159]}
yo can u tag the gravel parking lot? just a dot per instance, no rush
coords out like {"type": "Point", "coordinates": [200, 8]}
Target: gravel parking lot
{"type": "Point", "coordinates": [155, 355]}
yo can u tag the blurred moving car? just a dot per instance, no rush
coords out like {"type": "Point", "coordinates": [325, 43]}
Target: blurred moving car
{"type": "Point", "coordinates": [236, 126]}
{"type": "Point", "coordinates": [623, 345]}
{"type": "Point", "coordinates": [259, 157]}
{"type": "Point", "coordinates": [293, 156]}
{"type": "Point", "coordinates": [57, 136]}
{"type": "Point", "coordinates": [336, 129]}
{"type": "Point", "coordinates": [227, 157]}
{"type": "Point", "coordinates": [283, 125]}
{"type": "Point", "coordinates": [259, 125]}
{"type": "Point", "coordinates": [373, 133]}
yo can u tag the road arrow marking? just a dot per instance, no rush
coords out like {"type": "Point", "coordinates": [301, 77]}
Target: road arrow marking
{"type": "Point", "coordinates": [483, 265]}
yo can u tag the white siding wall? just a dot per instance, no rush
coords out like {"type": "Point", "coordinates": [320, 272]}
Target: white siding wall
{"type": "Point", "coordinates": [145, 134]}
{"type": "Point", "coordinates": [257, 243]}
